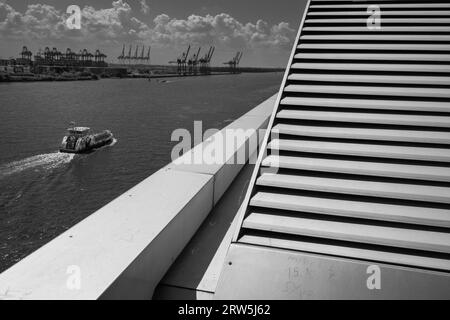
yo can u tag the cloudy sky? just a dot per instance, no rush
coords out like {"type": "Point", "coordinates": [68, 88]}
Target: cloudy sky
{"type": "Point", "coordinates": [263, 29]}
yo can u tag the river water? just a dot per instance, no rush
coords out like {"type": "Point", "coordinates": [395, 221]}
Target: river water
{"type": "Point", "coordinates": [44, 192]}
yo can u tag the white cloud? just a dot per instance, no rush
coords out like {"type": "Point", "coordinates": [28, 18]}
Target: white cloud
{"type": "Point", "coordinates": [221, 29]}
{"type": "Point", "coordinates": [145, 8]}
{"type": "Point", "coordinates": [38, 21]}
{"type": "Point", "coordinates": [116, 25]}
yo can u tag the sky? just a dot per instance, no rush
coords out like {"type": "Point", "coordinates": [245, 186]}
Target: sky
{"type": "Point", "coordinates": [263, 29]}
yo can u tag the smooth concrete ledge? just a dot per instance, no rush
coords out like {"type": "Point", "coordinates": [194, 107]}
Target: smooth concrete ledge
{"type": "Point", "coordinates": [123, 250]}
{"type": "Point", "coordinates": [195, 273]}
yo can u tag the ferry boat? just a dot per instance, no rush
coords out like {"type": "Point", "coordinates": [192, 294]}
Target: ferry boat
{"type": "Point", "coordinates": [81, 140]}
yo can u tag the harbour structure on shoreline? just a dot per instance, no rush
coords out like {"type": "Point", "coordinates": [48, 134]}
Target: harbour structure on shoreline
{"type": "Point", "coordinates": [53, 64]}
{"type": "Point", "coordinates": [136, 59]}
{"type": "Point", "coordinates": [55, 58]}
{"type": "Point", "coordinates": [182, 62]}
{"type": "Point", "coordinates": [69, 58]}
{"type": "Point", "coordinates": [195, 64]}
{"type": "Point", "coordinates": [234, 63]}
{"type": "Point", "coordinates": [205, 61]}
{"type": "Point", "coordinates": [26, 56]}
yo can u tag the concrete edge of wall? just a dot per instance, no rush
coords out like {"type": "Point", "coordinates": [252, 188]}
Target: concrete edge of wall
{"type": "Point", "coordinates": [124, 249]}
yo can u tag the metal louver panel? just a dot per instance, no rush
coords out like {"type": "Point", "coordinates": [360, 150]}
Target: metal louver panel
{"type": "Point", "coordinates": [360, 151]}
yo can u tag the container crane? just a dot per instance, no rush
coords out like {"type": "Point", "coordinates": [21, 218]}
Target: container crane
{"type": "Point", "coordinates": [147, 58]}
{"type": "Point", "coordinates": [193, 62]}
{"type": "Point", "coordinates": [234, 63]}
{"type": "Point", "coordinates": [206, 60]}
{"type": "Point", "coordinates": [142, 57]}
{"type": "Point", "coordinates": [122, 56]}
{"type": "Point", "coordinates": [136, 52]}
{"type": "Point", "coordinates": [182, 61]}
{"type": "Point", "coordinates": [128, 56]}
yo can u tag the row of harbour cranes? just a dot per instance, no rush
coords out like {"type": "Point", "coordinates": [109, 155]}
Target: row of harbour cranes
{"type": "Point", "coordinates": [136, 58]}
{"type": "Point", "coordinates": [195, 64]}
{"type": "Point", "coordinates": [189, 62]}
{"type": "Point", "coordinates": [186, 64]}
{"type": "Point", "coordinates": [234, 63]}
{"type": "Point", "coordinates": [54, 57]}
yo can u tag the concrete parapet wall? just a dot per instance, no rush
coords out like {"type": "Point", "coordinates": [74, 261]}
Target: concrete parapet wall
{"type": "Point", "coordinates": [123, 250]}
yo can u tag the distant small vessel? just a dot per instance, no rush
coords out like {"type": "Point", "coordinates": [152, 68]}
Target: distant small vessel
{"type": "Point", "coordinates": [81, 140]}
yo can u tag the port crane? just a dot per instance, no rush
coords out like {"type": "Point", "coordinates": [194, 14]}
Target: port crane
{"type": "Point", "coordinates": [87, 56]}
{"type": "Point", "coordinates": [182, 61]}
{"type": "Point", "coordinates": [26, 54]}
{"type": "Point", "coordinates": [144, 57]}
{"type": "Point", "coordinates": [205, 62]}
{"type": "Point", "coordinates": [193, 62]}
{"type": "Point", "coordinates": [128, 56]}
{"type": "Point", "coordinates": [147, 58]}
{"type": "Point", "coordinates": [99, 57]}
{"type": "Point", "coordinates": [135, 57]}
{"type": "Point", "coordinates": [121, 58]}
{"type": "Point", "coordinates": [71, 57]}
{"type": "Point", "coordinates": [234, 63]}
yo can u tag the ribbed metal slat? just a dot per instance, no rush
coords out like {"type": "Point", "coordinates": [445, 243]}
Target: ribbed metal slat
{"type": "Point", "coordinates": [377, 37]}
{"type": "Point", "coordinates": [437, 81]}
{"type": "Point", "coordinates": [353, 232]}
{"type": "Point", "coordinates": [369, 46]}
{"type": "Point", "coordinates": [415, 68]}
{"type": "Point", "coordinates": [358, 163]}
{"type": "Point", "coordinates": [372, 118]}
{"type": "Point", "coordinates": [362, 150]}
{"type": "Point", "coordinates": [356, 187]}
{"type": "Point", "coordinates": [385, 13]}
{"type": "Point", "coordinates": [353, 209]}
{"type": "Point", "coordinates": [360, 168]}
{"type": "Point", "coordinates": [349, 252]}
{"type": "Point", "coordinates": [366, 103]}
{"type": "Point", "coordinates": [372, 56]}
{"type": "Point", "coordinates": [412, 136]}
{"type": "Point", "coordinates": [379, 91]}
{"type": "Point", "coordinates": [423, 5]}
{"type": "Point", "coordinates": [386, 20]}
{"type": "Point", "coordinates": [385, 29]}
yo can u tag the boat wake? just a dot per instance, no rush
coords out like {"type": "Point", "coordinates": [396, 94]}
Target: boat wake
{"type": "Point", "coordinates": [113, 143]}
{"type": "Point", "coordinates": [43, 161]}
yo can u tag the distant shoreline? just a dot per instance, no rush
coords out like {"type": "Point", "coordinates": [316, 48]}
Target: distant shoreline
{"type": "Point", "coordinates": [50, 78]}
{"type": "Point", "coordinates": [213, 69]}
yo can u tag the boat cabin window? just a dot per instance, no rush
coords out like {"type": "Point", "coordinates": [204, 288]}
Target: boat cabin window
{"type": "Point", "coordinates": [78, 132]}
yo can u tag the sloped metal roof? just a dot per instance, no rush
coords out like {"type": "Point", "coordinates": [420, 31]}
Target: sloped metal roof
{"type": "Point", "coordinates": [358, 160]}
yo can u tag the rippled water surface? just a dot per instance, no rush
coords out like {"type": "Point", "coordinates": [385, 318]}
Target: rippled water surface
{"type": "Point", "coordinates": [44, 192]}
